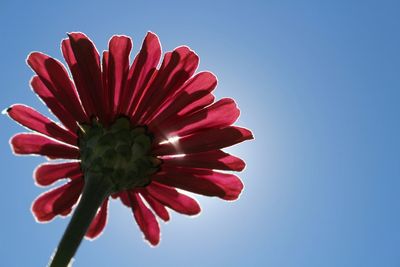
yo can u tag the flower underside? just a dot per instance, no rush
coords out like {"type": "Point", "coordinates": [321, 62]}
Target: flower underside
{"type": "Point", "coordinates": [120, 153]}
{"type": "Point", "coordinates": [118, 118]}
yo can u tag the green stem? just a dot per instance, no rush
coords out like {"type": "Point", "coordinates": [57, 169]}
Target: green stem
{"type": "Point", "coordinates": [95, 190]}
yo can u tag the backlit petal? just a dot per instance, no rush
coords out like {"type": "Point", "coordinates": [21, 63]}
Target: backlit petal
{"type": "Point", "coordinates": [201, 181]}
{"type": "Point", "coordinates": [33, 120]}
{"type": "Point", "coordinates": [99, 222]}
{"type": "Point", "coordinates": [48, 173]}
{"type": "Point", "coordinates": [53, 74]}
{"type": "Point", "coordinates": [58, 201]}
{"type": "Point", "coordinates": [140, 73]}
{"type": "Point", "coordinates": [29, 143]}
{"type": "Point", "coordinates": [145, 219]}
{"type": "Point", "coordinates": [205, 141]}
{"type": "Point", "coordinates": [173, 199]}
{"type": "Point", "coordinates": [214, 159]}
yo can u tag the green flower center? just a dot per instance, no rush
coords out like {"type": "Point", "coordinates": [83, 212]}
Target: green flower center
{"type": "Point", "coordinates": [120, 153]}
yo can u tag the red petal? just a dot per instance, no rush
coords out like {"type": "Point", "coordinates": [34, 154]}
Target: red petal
{"type": "Point", "coordinates": [145, 219]}
{"type": "Point", "coordinates": [192, 96]}
{"type": "Point", "coordinates": [220, 114]}
{"type": "Point", "coordinates": [173, 199]}
{"type": "Point", "coordinates": [53, 104]}
{"type": "Point", "coordinates": [205, 141]}
{"type": "Point", "coordinates": [201, 181]}
{"type": "Point", "coordinates": [46, 174]}
{"type": "Point", "coordinates": [173, 73]}
{"type": "Point", "coordinates": [106, 92]}
{"type": "Point", "coordinates": [53, 74]}
{"type": "Point", "coordinates": [156, 206]}
{"type": "Point", "coordinates": [84, 62]}
{"type": "Point", "coordinates": [215, 159]}
{"type": "Point", "coordinates": [33, 120]}
{"type": "Point", "coordinates": [140, 73]}
{"type": "Point", "coordinates": [58, 201]}
{"type": "Point", "coordinates": [123, 196]}
{"type": "Point", "coordinates": [118, 68]}
{"type": "Point", "coordinates": [29, 143]}
{"type": "Point", "coordinates": [99, 222]}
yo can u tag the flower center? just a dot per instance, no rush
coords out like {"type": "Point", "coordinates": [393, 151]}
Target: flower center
{"type": "Point", "coordinates": [121, 154]}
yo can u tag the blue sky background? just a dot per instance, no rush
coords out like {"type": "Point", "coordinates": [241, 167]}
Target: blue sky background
{"type": "Point", "coordinates": [317, 82]}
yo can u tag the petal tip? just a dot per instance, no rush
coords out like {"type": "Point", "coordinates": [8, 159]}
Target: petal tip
{"type": "Point", "coordinates": [93, 237]}
{"type": "Point", "coordinates": [247, 134]}
{"type": "Point", "coordinates": [153, 242]}
{"type": "Point", "coordinates": [151, 34]}
{"type": "Point", "coordinates": [196, 211]}
{"type": "Point", "coordinates": [241, 165]}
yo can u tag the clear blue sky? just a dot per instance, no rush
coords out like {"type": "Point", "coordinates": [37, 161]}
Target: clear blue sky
{"type": "Point", "coordinates": [317, 82]}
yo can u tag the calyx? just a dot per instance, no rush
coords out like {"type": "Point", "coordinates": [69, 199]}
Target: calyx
{"type": "Point", "coordinates": [121, 154]}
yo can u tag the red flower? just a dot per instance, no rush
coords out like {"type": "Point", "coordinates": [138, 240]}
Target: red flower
{"type": "Point", "coordinates": [110, 111]}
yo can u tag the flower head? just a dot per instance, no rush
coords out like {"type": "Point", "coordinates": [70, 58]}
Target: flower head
{"type": "Point", "coordinates": [144, 130]}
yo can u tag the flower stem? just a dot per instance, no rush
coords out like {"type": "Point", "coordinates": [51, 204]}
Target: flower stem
{"type": "Point", "coordinates": [95, 190]}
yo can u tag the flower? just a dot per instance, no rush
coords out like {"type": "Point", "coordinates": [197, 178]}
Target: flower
{"type": "Point", "coordinates": [148, 130]}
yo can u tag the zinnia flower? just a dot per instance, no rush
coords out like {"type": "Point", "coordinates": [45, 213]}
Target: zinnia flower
{"type": "Point", "coordinates": [135, 132]}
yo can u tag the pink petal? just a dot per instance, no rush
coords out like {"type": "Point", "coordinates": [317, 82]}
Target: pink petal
{"type": "Point", "coordinates": [84, 62]}
{"type": "Point", "coordinates": [220, 114]}
{"type": "Point", "coordinates": [214, 159]}
{"type": "Point", "coordinates": [58, 201]}
{"type": "Point", "coordinates": [145, 219]}
{"type": "Point", "coordinates": [140, 73]}
{"type": "Point", "coordinates": [204, 141]}
{"type": "Point", "coordinates": [33, 120]}
{"type": "Point", "coordinates": [118, 68]}
{"type": "Point", "coordinates": [53, 74]}
{"type": "Point", "coordinates": [175, 70]}
{"type": "Point", "coordinates": [201, 181]}
{"type": "Point", "coordinates": [107, 102]}
{"type": "Point", "coordinates": [53, 104]}
{"type": "Point", "coordinates": [29, 143]}
{"type": "Point", "coordinates": [48, 173]}
{"type": "Point", "coordinates": [192, 96]}
{"type": "Point", "coordinates": [99, 222]}
{"type": "Point", "coordinates": [173, 199]}
{"type": "Point", "coordinates": [124, 197]}
{"type": "Point", "coordinates": [155, 205]}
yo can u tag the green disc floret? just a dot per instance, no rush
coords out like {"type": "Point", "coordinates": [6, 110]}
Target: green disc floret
{"type": "Point", "coordinates": [120, 153]}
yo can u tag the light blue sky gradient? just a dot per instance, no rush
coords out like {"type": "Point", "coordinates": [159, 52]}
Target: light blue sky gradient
{"type": "Point", "coordinates": [317, 82]}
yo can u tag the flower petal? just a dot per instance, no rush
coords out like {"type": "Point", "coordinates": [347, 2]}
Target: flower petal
{"type": "Point", "coordinates": [140, 73]}
{"type": "Point", "coordinates": [53, 104]}
{"type": "Point", "coordinates": [118, 68]}
{"type": "Point", "coordinates": [58, 201]}
{"type": "Point", "coordinates": [29, 143]}
{"type": "Point", "coordinates": [173, 199]}
{"type": "Point", "coordinates": [192, 96]}
{"type": "Point", "coordinates": [201, 181]}
{"type": "Point", "coordinates": [145, 219]}
{"type": "Point", "coordinates": [53, 74]}
{"type": "Point", "coordinates": [48, 173]}
{"type": "Point", "coordinates": [84, 62]}
{"type": "Point", "coordinates": [204, 141]}
{"type": "Point", "coordinates": [175, 70]}
{"type": "Point", "coordinates": [33, 120]}
{"type": "Point", "coordinates": [214, 159]}
{"type": "Point", "coordinates": [220, 114]}
{"type": "Point", "coordinates": [124, 197]}
{"type": "Point", "coordinates": [104, 75]}
{"type": "Point", "coordinates": [155, 205]}
{"type": "Point", "coordinates": [99, 222]}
